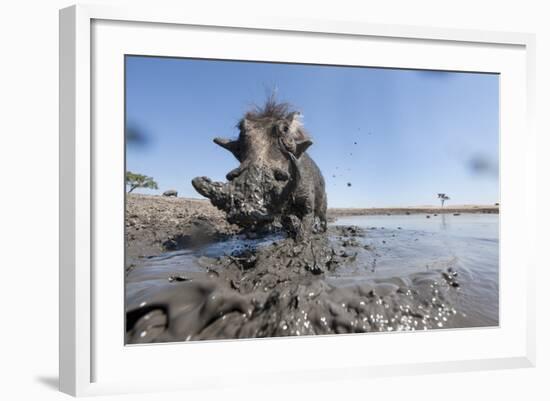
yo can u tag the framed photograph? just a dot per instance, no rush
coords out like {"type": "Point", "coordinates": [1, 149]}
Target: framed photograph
{"type": "Point", "coordinates": [294, 199]}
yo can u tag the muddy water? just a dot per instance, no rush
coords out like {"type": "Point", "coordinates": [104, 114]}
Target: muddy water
{"type": "Point", "coordinates": [372, 273]}
{"type": "Point", "coordinates": [413, 244]}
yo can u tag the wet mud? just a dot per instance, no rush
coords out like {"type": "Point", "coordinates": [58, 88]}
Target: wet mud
{"type": "Point", "coordinates": [273, 286]}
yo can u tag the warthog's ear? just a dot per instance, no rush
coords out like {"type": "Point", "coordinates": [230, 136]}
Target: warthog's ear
{"type": "Point", "coordinates": [233, 146]}
{"type": "Point", "coordinates": [300, 137]}
{"type": "Point", "coordinates": [294, 121]}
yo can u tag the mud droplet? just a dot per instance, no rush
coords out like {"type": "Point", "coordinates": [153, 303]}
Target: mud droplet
{"type": "Point", "coordinates": [178, 278]}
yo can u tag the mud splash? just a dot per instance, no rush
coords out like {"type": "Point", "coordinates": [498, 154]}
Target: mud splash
{"type": "Point", "coordinates": [273, 286]}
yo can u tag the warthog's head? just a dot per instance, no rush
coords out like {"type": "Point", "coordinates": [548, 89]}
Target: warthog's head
{"type": "Point", "coordinates": [270, 142]}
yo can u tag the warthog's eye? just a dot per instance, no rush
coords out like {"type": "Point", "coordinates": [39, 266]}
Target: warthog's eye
{"type": "Point", "coordinates": [280, 129]}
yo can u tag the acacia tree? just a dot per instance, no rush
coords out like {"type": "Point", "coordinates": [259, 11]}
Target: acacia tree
{"type": "Point", "coordinates": [443, 198]}
{"type": "Point", "coordinates": [134, 181]}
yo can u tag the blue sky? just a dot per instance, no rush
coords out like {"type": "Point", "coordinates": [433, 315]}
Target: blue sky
{"type": "Point", "coordinates": [397, 136]}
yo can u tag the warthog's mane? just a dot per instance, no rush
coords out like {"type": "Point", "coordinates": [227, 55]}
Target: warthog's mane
{"type": "Point", "coordinates": [272, 111]}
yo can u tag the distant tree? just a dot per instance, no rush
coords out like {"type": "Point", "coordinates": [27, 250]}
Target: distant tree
{"type": "Point", "coordinates": [134, 181]}
{"type": "Point", "coordinates": [443, 198]}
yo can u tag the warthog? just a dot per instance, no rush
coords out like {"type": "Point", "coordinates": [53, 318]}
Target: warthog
{"type": "Point", "coordinates": [170, 192]}
{"type": "Point", "coordinates": [276, 180]}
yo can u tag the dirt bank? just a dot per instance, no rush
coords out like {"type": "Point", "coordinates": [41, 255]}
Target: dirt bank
{"type": "Point", "coordinates": [377, 211]}
{"type": "Point", "coordinates": [156, 224]}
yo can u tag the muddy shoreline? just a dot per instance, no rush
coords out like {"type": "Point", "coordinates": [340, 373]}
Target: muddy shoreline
{"type": "Point", "coordinates": [156, 224]}
{"type": "Point", "coordinates": [265, 287]}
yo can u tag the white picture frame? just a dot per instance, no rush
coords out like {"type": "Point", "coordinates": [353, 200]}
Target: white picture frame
{"type": "Point", "coordinates": [82, 344]}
